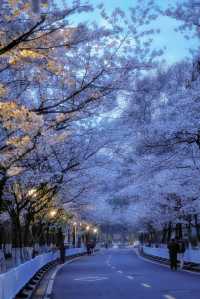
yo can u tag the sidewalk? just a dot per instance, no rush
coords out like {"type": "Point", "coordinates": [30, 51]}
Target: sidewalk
{"type": "Point", "coordinates": [191, 266]}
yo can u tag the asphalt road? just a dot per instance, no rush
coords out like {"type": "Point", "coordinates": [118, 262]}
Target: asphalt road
{"type": "Point", "coordinates": [121, 274]}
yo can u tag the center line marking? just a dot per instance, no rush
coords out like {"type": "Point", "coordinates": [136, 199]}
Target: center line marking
{"type": "Point", "coordinates": [146, 285]}
{"type": "Point", "coordinates": [169, 297]}
{"type": "Point", "coordinates": [130, 277]}
{"type": "Point", "coordinates": [120, 271]}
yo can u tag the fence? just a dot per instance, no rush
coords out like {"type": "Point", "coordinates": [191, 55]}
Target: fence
{"type": "Point", "coordinates": [190, 255]}
{"type": "Point", "coordinates": [14, 280]}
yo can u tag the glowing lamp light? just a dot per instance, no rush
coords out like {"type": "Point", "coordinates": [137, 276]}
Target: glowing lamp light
{"type": "Point", "coordinates": [95, 230]}
{"type": "Point", "coordinates": [74, 223]}
{"type": "Point", "coordinates": [32, 192]}
{"type": "Point", "coordinates": [53, 213]}
{"type": "Point", "coordinates": [87, 227]}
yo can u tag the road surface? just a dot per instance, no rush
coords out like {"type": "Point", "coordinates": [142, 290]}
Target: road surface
{"type": "Point", "coordinates": [121, 274]}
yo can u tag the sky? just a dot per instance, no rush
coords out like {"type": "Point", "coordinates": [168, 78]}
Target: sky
{"type": "Point", "coordinates": [176, 46]}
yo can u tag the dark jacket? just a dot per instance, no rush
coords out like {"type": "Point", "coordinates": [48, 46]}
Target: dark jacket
{"type": "Point", "coordinates": [181, 247]}
{"type": "Point", "coordinates": [173, 248]}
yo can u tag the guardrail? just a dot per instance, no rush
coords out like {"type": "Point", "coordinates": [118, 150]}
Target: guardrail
{"type": "Point", "coordinates": [15, 279]}
{"type": "Point", "coordinates": [190, 255]}
{"type": "Point", "coordinates": [74, 251]}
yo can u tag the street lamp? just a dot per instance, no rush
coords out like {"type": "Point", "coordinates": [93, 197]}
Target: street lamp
{"type": "Point", "coordinates": [53, 213]}
{"type": "Point", "coordinates": [87, 234]}
{"type": "Point", "coordinates": [95, 230]}
{"type": "Point", "coordinates": [32, 192]}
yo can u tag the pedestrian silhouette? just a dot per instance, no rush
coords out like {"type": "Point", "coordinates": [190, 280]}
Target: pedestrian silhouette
{"type": "Point", "coordinates": [88, 245]}
{"type": "Point", "coordinates": [173, 248]}
{"type": "Point", "coordinates": [181, 252]}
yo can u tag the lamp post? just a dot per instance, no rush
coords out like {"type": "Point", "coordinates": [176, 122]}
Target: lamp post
{"type": "Point", "coordinates": [52, 215]}
{"type": "Point", "coordinates": [74, 234]}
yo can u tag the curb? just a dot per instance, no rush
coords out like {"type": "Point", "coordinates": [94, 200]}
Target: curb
{"type": "Point", "coordinates": [53, 276]}
{"type": "Point", "coordinates": [29, 289]}
{"type": "Point", "coordinates": [188, 267]}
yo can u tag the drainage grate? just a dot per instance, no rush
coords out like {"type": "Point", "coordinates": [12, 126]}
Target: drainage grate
{"type": "Point", "coordinates": [29, 289]}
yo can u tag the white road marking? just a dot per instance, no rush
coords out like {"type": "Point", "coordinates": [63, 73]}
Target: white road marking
{"type": "Point", "coordinates": [169, 297]}
{"type": "Point", "coordinates": [91, 278]}
{"type": "Point", "coordinates": [146, 285]}
{"type": "Point", "coordinates": [120, 271]}
{"type": "Point", "coordinates": [94, 275]}
{"type": "Point", "coordinates": [130, 277]}
{"type": "Point", "coordinates": [49, 287]}
{"type": "Point", "coordinates": [52, 278]}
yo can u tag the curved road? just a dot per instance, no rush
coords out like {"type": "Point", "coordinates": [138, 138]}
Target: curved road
{"type": "Point", "coordinates": [121, 274]}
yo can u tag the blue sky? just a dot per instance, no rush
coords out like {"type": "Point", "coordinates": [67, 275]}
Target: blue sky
{"type": "Point", "coordinates": [177, 47]}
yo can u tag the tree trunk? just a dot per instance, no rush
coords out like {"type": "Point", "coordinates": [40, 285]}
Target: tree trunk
{"type": "Point", "coordinates": [180, 231]}
{"type": "Point", "coordinates": [17, 252]}
{"type": "Point", "coordinates": [164, 235]}
{"type": "Point", "coordinates": [2, 257]}
{"type": "Point", "coordinates": [169, 230]}
{"type": "Point", "coordinates": [27, 242]}
{"type": "Point", "coordinates": [189, 232]}
{"type": "Point", "coordinates": [197, 227]}
{"type": "Point", "coordinates": [2, 184]}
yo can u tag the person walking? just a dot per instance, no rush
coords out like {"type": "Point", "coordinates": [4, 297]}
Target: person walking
{"type": "Point", "coordinates": [173, 248]}
{"type": "Point", "coordinates": [88, 245]}
{"type": "Point", "coordinates": [93, 245]}
{"type": "Point", "coordinates": [181, 253]}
